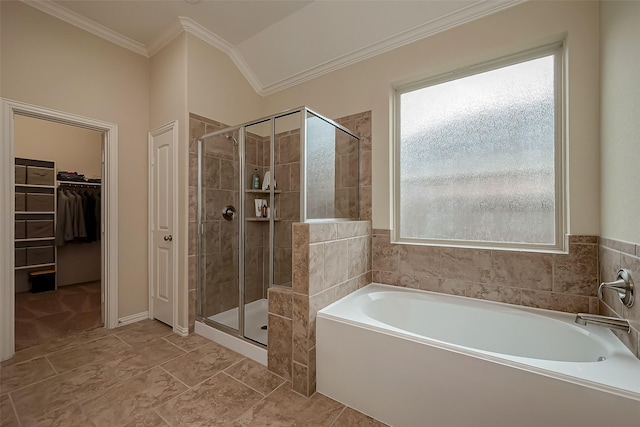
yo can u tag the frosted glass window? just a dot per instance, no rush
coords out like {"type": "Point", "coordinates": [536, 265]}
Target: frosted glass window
{"type": "Point", "coordinates": [477, 157]}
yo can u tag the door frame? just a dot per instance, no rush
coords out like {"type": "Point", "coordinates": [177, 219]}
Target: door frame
{"type": "Point", "coordinates": [173, 128]}
{"type": "Point", "coordinates": [109, 274]}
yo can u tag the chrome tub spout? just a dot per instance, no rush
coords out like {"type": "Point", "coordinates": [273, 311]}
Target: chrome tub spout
{"type": "Point", "coordinates": [604, 321]}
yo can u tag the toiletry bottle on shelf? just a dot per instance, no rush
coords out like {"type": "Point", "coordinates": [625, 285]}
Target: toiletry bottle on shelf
{"type": "Point", "coordinates": [265, 211]}
{"type": "Point", "coordinates": [255, 180]}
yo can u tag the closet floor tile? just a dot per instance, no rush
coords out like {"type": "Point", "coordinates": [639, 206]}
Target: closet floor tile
{"type": "Point", "coordinates": [51, 316]}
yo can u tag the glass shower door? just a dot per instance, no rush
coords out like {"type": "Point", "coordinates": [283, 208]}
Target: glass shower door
{"type": "Point", "coordinates": [258, 206]}
{"type": "Point", "coordinates": [219, 198]}
{"type": "Point", "coordinates": [331, 171]}
{"type": "Point", "coordinates": [287, 150]}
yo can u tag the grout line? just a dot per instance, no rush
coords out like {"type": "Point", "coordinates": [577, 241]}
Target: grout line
{"type": "Point", "coordinates": [234, 364]}
{"type": "Point", "coordinates": [344, 408]}
{"type": "Point", "coordinates": [249, 409]}
{"type": "Point", "coordinates": [177, 379]}
{"type": "Point", "coordinates": [177, 346]}
{"type": "Point", "coordinates": [155, 410]}
{"type": "Point", "coordinates": [52, 367]}
{"type": "Point", "coordinates": [41, 380]}
{"type": "Point", "coordinates": [123, 341]}
{"type": "Point", "coordinates": [244, 384]}
{"type": "Point", "coordinates": [13, 407]}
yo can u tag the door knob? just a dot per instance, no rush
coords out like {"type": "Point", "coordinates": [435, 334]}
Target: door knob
{"type": "Point", "coordinates": [168, 238]}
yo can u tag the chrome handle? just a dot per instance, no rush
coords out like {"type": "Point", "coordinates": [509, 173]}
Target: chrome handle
{"type": "Point", "coordinates": [623, 285]}
{"type": "Point", "coordinates": [168, 238]}
{"type": "Point", "coordinates": [229, 212]}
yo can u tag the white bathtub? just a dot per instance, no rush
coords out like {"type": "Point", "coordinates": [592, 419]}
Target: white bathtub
{"type": "Point", "coordinates": [415, 358]}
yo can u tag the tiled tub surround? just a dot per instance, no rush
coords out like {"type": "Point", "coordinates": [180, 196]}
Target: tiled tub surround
{"type": "Point", "coordinates": [614, 255]}
{"type": "Point", "coordinates": [330, 260]}
{"type": "Point", "coordinates": [562, 282]}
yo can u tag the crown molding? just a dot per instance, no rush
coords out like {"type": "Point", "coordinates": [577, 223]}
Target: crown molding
{"type": "Point", "coordinates": [87, 24]}
{"type": "Point", "coordinates": [173, 31]}
{"type": "Point", "coordinates": [470, 13]}
{"type": "Point", "coordinates": [218, 42]}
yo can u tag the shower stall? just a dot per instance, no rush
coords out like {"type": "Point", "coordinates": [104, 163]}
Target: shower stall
{"type": "Point", "coordinates": [307, 168]}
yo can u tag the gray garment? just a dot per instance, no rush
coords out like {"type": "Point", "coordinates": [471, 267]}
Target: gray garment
{"type": "Point", "coordinates": [79, 229]}
{"type": "Point", "coordinates": [64, 226]}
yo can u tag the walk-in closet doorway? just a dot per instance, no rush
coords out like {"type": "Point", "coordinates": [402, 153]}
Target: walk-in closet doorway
{"type": "Point", "coordinates": [59, 267]}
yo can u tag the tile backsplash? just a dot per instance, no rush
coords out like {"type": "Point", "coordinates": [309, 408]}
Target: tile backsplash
{"type": "Point", "coordinates": [563, 282]}
{"type": "Point", "coordinates": [614, 255]}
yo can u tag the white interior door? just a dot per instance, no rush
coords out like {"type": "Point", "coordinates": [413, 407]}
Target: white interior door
{"type": "Point", "coordinates": [163, 215]}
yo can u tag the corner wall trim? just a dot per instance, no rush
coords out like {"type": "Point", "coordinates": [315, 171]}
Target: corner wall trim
{"type": "Point", "coordinates": [180, 330]}
{"type": "Point", "coordinates": [127, 320]}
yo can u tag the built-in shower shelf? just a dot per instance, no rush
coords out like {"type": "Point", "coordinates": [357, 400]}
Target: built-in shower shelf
{"type": "Point", "coordinates": [261, 219]}
{"type": "Point", "coordinates": [262, 191]}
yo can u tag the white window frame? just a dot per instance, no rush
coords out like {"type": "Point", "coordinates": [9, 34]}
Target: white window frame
{"type": "Point", "coordinates": [560, 144]}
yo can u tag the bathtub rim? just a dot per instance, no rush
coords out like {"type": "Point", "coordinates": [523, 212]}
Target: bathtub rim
{"type": "Point", "coordinates": [553, 369]}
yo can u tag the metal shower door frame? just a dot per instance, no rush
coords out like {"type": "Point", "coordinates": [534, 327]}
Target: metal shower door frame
{"type": "Point", "coordinates": [242, 131]}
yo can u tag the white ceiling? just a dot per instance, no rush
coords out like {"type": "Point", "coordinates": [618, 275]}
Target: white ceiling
{"type": "Point", "coordinates": [275, 43]}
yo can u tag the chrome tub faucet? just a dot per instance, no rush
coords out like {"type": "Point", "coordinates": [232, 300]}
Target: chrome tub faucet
{"type": "Point", "coordinates": [623, 285]}
{"type": "Point", "coordinates": [604, 321]}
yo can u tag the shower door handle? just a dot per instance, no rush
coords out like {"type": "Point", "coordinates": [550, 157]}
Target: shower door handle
{"type": "Point", "coordinates": [168, 238]}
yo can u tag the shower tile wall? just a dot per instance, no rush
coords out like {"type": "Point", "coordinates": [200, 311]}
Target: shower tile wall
{"type": "Point", "coordinates": [360, 125]}
{"type": "Point", "coordinates": [287, 174]}
{"type": "Point", "coordinates": [256, 233]}
{"type": "Point", "coordinates": [563, 282]}
{"type": "Point", "coordinates": [614, 255]}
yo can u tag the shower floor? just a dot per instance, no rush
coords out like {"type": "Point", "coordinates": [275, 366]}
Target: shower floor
{"type": "Point", "coordinates": [255, 317]}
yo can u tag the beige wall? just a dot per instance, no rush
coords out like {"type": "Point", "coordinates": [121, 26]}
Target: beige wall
{"type": "Point", "coordinates": [168, 92]}
{"type": "Point", "coordinates": [52, 64]}
{"type": "Point", "coordinates": [620, 120]}
{"type": "Point", "coordinates": [72, 148]}
{"type": "Point", "coordinates": [216, 88]}
{"type": "Point", "coordinates": [49, 63]}
{"type": "Point", "coordinates": [367, 85]}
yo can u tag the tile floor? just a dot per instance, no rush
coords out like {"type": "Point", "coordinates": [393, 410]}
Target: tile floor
{"type": "Point", "coordinates": [46, 316]}
{"type": "Point", "coordinates": [144, 375]}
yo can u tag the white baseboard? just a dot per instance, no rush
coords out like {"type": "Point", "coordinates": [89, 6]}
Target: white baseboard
{"type": "Point", "coordinates": [126, 320]}
{"type": "Point", "coordinates": [181, 330]}
{"type": "Point", "coordinates": [245, 348]}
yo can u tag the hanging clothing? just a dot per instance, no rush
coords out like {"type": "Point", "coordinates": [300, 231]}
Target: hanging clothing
{"type": "Point", "coordinates": [88, 208]}
{"type": "Point", "coordinates": [78, 211]}
{"type": "Point", "coordinates": [64, 224]}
